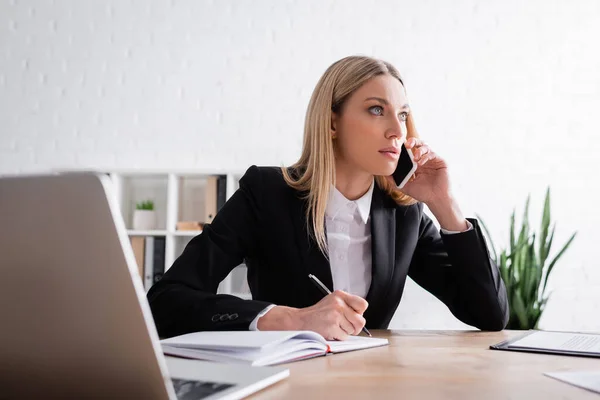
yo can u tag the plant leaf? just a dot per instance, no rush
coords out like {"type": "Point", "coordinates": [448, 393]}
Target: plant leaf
{"type": "Point", "coordinates": [524, 266]}
{"type": "Point", "coordinates": [512, 232]}
{"type": "Point", "coordinates": [520, 258]}
{"type": "Point", "coordinates": [553, 262]}
{"type": "Point", "coordinates": [533, 275]}
{"type": "Point", "coordinates": [544, 228]}
{"type": "Point", "coordinates": [520, 310]}
{"type": "Point", "coordinates": [505, 272]}
{"type": "Point", "coordinates": [525, 221]}
{"type": "Point", "coordinates": [548, 246]}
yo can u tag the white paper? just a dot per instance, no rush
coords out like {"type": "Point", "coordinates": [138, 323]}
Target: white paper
{"type": "Point", "coordinates": [589, 380]}
{"type": "Point", "coordinates": [565, 341]}
{"type": "Point", "coordinates": [355, 343]}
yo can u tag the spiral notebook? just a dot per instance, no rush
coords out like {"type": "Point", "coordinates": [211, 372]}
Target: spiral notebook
{"type": "Point", "coordinates": [260, 348]}
{"type": "Point", "coordinates": [551, 342]}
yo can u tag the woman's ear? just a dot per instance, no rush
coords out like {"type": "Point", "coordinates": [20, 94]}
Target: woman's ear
{"type": "Point", "coordinates": [334, 119]}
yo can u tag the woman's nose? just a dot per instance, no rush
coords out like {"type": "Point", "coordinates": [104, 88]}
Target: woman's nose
{"type": "Point", "coordinates": [396, 128]}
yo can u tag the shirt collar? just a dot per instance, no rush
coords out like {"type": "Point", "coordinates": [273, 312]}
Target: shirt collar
{"type": "Point", "coordinates": [338, 202]}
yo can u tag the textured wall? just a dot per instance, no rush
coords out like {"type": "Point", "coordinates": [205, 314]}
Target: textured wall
{"type": "Point", "coordinates": [508, 92]}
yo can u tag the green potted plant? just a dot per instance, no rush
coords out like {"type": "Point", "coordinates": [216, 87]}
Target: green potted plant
{"type": "Point", "coordinates": [525, 266]}
{"type": "Point", "coordinates": [144, 217]}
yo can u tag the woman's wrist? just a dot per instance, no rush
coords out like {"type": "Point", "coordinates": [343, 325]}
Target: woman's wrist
{"type": "Point", "coordinates": [279, 318]}
{"type": "Point", "coordinates": [447, 212]}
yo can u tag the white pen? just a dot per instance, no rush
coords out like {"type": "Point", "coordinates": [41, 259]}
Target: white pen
{"type": "Point", "coordinates": [326, 291]}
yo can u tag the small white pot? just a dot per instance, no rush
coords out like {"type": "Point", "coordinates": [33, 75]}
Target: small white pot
{"type": "Point", "coordinates": [144, 220]}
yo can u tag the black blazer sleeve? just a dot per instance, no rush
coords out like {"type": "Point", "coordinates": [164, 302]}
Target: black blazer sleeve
{"type": "Point", "coordinates": [458, 270]}
{"type": "Point", "coordinates": [185, 299]}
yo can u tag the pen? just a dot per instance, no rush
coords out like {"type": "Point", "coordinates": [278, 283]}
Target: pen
{"type": "Point", "coordinates": [326, 291]}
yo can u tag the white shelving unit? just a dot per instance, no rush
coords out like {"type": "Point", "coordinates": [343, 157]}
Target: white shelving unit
{"type": "Point", "coordinates": [178, 196]}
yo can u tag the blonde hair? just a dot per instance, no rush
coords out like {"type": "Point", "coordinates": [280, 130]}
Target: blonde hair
{"type": "Point", "coordinates": [314, 172]}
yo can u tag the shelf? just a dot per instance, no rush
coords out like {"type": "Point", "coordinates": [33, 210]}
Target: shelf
{"type": "Point", "coordinates": [178, 195]}
{"type": "Point", "coordinates": [132, 232]}
{"type": "Point", "coordinates": [178, 172]}
{"type": "Point", "coordinates": [186, 233]}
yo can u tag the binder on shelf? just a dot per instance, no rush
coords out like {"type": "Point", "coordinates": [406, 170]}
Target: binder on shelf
{"type": "Point", "coordinates": [221, 191]}
{"type": "Point", "coordinates": [215, 196]}
{"type": "Point", "coordinates": [148, 262]}
{"type": "Point", "coordinates": [159, 259]}
{"type": "Point", "coordinates": [154, 260]}
{"type": "Point", "coordinates": [210, 199]}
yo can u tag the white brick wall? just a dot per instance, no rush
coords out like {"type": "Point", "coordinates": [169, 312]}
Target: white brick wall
{"type": "Point", "coordinates": [508, 93]}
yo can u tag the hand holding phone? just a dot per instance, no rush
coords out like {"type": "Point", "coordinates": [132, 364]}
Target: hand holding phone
{"type": "Point", "coordinates": [406, 167]}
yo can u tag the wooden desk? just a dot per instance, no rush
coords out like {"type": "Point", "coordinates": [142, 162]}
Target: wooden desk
{"type": "Point", "coordinates": [432, 365]}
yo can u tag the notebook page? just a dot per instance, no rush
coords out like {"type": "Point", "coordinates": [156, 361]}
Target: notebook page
{"type": "Point", "coordinates": [292, 350]}
{"type": "Point", "coordinates": [355, 343]}
{"type": "Point", "coordinates": [238, 339]}
{"type": "Point", "coordinates": [288, 347]}
{"type": "Point", "coordinates": [580, 342]}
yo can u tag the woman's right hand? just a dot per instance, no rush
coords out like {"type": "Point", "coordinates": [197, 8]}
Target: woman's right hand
{"type": "Point", "coordinates": [336, 316]}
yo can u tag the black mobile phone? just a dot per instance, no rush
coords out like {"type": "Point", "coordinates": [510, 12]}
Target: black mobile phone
{"type": "Point", "coordinates": [406, 167]}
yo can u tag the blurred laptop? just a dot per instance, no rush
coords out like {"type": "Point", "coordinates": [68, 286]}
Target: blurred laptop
{"type": "Point", "coordinates": [75, 322]}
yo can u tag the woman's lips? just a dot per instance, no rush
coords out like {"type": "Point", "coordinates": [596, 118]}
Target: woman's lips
{"type": "Point", "coordinates": [390, 154]}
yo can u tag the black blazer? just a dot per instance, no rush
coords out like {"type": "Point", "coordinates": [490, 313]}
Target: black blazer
{"type": "Point", "coordinates": [264, 225]}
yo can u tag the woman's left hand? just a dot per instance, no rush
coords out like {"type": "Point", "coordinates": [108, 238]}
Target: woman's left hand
{"type": "Point", "coordinates": [430, 181]}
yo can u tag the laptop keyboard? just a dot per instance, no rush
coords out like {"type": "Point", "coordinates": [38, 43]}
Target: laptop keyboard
{"type": "Point", "coordinates": [191, 390]}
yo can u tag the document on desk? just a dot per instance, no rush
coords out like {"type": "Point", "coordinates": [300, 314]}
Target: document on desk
{"type": "Point", "coordinates": [566, 343]}
{"type": "Point", "coordinates": [589, 380]}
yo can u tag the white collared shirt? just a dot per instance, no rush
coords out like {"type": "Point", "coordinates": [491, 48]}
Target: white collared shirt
{"type": "Point", "coordinates": [349, 240]}
{"type": "Point", "coordinates": [348, 232]}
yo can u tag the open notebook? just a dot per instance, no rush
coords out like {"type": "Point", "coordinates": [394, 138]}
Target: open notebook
{"type": "Point", "coordinates": [259, 348]}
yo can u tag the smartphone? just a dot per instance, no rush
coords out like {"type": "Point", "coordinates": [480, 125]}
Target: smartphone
{"type": "Point", "coordinates": [406, 167]}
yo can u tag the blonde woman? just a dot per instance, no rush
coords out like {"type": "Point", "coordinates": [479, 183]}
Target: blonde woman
{"type": "Point", "coordinates": [337, 214]}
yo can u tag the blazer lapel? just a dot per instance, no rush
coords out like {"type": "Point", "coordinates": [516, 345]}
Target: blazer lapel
{"type": "Point", "coordinates": [312, 258]}
{"type": "Point", "coordinates": [383, 235]}
{"type": "Point", "coordinates": [383, 247]}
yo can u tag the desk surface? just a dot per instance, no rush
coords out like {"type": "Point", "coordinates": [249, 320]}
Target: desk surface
{"type": "Point", "coordinates": [433, 365]}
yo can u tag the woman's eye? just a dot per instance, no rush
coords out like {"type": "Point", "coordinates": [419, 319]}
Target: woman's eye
{"type": "Point", "coordinates": [376, 110]}
{"type": "Point", "coordinates": [403, 116]}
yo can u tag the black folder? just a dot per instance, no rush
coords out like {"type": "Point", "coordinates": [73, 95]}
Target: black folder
{"type": "Point", "coordinates": [510, 345]}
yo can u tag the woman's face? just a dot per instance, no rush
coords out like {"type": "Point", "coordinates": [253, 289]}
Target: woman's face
{"type": "Point", "coordinates": [371, 127]}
